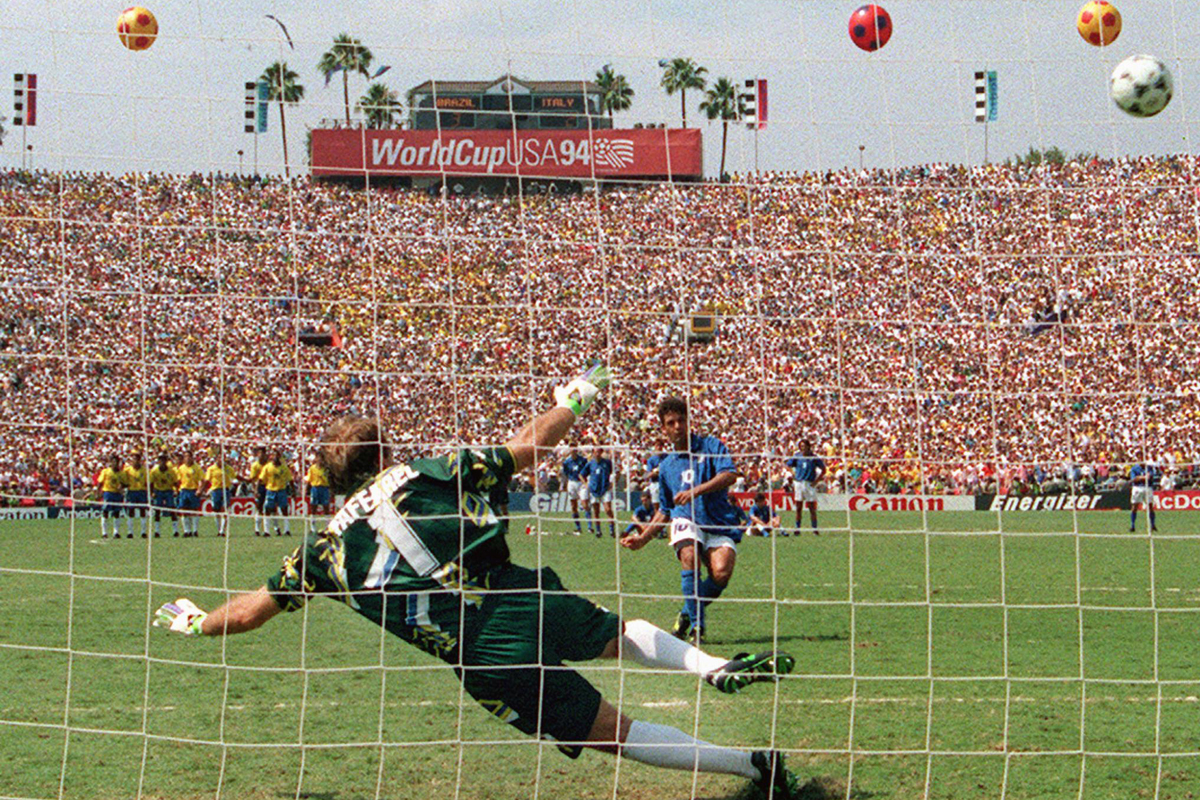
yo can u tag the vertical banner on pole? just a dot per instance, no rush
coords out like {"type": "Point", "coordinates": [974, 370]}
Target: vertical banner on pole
{"type": "Point", "coordinates": [754, 100]}
{"type": "Point", "coordinates": [24, 99]}
{"type": "Point", "coordinates": [993, 96]}
{"type": "Point", "coordinates": [262, 92]}
{"type": "Point", "coordinates": [251, 98]}
{"type": "Point", "coordinates": [981, 96]}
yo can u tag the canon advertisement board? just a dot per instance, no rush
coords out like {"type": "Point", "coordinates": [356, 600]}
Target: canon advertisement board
{"type": "Point", "coordinates": [580, 155]}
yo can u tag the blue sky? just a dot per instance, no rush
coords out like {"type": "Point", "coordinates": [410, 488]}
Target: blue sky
{"type": "Point", "coordinates": [177, 107]}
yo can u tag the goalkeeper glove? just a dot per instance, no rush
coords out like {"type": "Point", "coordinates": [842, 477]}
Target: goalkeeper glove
{"type": "Point", "coordinates": [182, 616]}
{"type": "Point", "coordinates": [579, 394]}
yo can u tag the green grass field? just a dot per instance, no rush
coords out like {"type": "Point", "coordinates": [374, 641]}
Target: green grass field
{"type": "Point", "coordinates": [976, 665]}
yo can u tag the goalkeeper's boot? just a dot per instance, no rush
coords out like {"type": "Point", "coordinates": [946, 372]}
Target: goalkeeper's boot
{"type": "Point", "coordinates": [683, 627]}
{"type": "Point", "coordinates": [744, 669]}
{"type": "Point", "coordinates": [775, 781]}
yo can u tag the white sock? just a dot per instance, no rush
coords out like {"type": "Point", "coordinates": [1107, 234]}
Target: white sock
{"type": "Point", "coordinates": [174, 525]}
{"type": "Point", "coordinates": [651, 646]}
{"type": "Point", "coordinates": [104, 526]}
{"type": "Point", "coordinates": [664, 746]}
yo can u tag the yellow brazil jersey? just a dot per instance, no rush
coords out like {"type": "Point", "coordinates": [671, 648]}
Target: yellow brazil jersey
{"type": "Point", "coordinates": [219, 477]}
{"type": "Point", "coordinates": [256, 468]}
{"type": "Point", "coordinates": [111, 480]}
{"type": "Point", "coordinates": [136, 480]}
{"type": "Point", "coordinates": [275, 477]}
{"type": "Point", "coordinates": [162, 480]}
{"type": "Point", "coordinates": [190, 477]}
{"type": "Point", "coordinates": [317, 476]}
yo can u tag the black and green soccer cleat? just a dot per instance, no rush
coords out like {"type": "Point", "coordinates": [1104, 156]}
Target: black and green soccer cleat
{"type": "Point", "coordinates": [776, 781]}
{"type": "Point", "coordinates": [683, 627]}
{"type": "Point", "coordinates": [744, 669]}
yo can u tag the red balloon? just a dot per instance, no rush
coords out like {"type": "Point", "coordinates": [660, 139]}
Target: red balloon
{"type": "Point", "coordinates": [870, 27]}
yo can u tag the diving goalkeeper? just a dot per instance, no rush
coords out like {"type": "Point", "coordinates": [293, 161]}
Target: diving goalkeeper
{"type": "Point", "coordinates": [418, 550]}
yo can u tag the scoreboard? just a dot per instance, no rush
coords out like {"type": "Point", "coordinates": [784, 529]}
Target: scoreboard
{"type": "Point", "coordinates": [506, 103]}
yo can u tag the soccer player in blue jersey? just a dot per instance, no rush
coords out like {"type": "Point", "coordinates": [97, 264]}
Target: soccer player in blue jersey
{"type": "Point", "coordinates": [641, 515]}
{"type": "Point", "coordinates": [599, 473]}
{"type": "Point", "coordinates": [762, 519]}
{"type": "Point", "coordinates": [807, 469]}
{"type": "Point", "coordinates": [651, 479]}
{"type": "Point", "coordinates": [572, 468]}
{"type": "Point", "coordinates": [693, 495]}
{"type": "Point", "coordinates": [1143, 480]}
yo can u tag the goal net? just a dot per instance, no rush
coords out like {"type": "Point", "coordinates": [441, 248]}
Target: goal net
{"type": "Point", "coordinates": [980, 328]}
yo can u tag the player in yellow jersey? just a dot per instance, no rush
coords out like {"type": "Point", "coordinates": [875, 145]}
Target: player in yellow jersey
{"type": "Point", "coordinates": [317, 478]}
{"type": "Point", "coordinates": [260, 489]}
{"type": "Point", "coordinates": [112, 488]}
{"type": "Point", "coordinates": [163, 481]}
{"type": "Point", "coordinates": [218, 479]}
{"type": "Point", "coordinates": [276, 476]}
{"type": "Point", "coordinates": [137, 493]}
{"type": "Point", "coordinates": [190, 474]}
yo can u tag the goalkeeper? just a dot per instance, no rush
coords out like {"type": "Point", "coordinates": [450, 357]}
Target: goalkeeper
{"type": "Point", "coordinates": [419, 551]}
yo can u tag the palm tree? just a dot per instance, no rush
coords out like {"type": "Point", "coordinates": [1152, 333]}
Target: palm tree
{"type": "Point", "coordinates": [282, 87]}
{"type": "Point", "coordinates": [721, 101]}
{"type": "Point", "coordinates": [348, 55]}
{"type": "Point", "coordinates": [380, 105]}
{"type": "Point", "coordinates": [615, 92]}
{"type": "Point", "coordinates": [679, 75]}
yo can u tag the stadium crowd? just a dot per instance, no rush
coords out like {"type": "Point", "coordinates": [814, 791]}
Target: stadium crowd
{"type": "Point", "coordinates": [935, 328]}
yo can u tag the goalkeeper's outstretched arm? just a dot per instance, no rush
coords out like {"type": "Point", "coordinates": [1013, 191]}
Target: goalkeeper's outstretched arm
{"type": "Point", "coordinates": [548, 429]}
{"type": "Point", "coordinates": [245, 612]}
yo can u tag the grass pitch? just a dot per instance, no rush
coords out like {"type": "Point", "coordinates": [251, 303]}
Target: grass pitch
{"type": "Point", "coordinates": [970, 665]}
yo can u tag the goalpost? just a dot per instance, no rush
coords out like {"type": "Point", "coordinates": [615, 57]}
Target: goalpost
{"type": "Point", "coordinates": [978, 351]}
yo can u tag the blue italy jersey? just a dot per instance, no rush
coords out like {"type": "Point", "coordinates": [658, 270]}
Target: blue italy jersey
{"type": "Point", "coordinates": [805, 468]}
{"type": "Point", "coordinates": [705, 458]}
{"type": "Point", "coordinates": [652, 462]}
{"type": "Point", "coordinates": [572, 467]}
{"type": "Point", "coordinates": [640, 514]}
{"type": "Point", "coordinates": [599, 475]}
{"type": "Point", "coordinates": [1146, 475]}
{"type": "Point", "coordinates": [761, 512]}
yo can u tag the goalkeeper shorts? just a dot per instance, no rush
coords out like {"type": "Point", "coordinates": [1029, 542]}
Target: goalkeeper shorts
{"type": "Point", "coordinates": [513, 662]}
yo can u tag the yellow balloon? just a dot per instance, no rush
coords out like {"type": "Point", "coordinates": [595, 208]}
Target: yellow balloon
{"type": "Point", "coordinates": [137, 28]}
{"type": "Point", "coordinates": [1099, 22]}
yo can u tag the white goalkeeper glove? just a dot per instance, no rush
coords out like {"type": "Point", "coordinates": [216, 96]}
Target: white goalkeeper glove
{"type": "Point", "coordinates": [579, 394]}
{"type": "Point", "coordinates": [182, 616]}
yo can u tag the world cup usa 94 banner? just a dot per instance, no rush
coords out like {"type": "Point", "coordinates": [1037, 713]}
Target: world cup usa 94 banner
{"type": "Point", "coordinates": [634, 153]}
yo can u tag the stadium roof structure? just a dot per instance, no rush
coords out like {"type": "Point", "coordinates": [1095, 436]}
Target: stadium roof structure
{"type": "Point", "coordinates": [480, 87]}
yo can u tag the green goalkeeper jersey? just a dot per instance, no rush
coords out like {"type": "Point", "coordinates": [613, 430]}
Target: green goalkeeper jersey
{"type": "Point", "coordinates": [410, 551]}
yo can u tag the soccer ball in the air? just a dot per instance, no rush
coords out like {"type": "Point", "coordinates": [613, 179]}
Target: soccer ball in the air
{"type": "Point", "coordinates": [870, 27]}
{"type": "Point", "coordinates": [137, 28]}
{"type": "Point", "coordinates": [1141, 86]}
{"type": "Point", "coordinates": [1099, 22]}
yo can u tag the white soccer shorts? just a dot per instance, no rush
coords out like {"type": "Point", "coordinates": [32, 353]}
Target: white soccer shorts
{"type": "Point", "coordinates": [601, 498]}
{"type": "Point", "coordinates": [577, 490]}
{"type": "Point", "coordinates": [684, 531]}
{"type": "Point", "coordinates": [1143, 495]}
{"type": "Point", "coordinates": [805, 492]}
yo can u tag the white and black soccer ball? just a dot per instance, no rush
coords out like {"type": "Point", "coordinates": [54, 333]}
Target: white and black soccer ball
{"type": "Point", "coordinates": [1141, 86]}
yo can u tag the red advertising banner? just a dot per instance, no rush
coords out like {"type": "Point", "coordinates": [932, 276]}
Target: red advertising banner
{"type": "Point", "coordinates": [633, 153]}
{"type": "Point", "coordinates": [1178, 499]}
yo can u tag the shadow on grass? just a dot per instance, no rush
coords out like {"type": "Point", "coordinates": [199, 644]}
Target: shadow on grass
{"type": "Point", "coordinates": [768, 639]}
{"type": "Point", "coordinates": [822, 787]}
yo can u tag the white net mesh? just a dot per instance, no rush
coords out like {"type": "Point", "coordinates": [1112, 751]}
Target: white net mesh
{"type": "Point", "coordinates": [979, 353]}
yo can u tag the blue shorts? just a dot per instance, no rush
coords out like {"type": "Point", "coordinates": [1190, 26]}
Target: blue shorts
{"type": "Point", "coordinates": [137, 500]}
{"type": "Point", "coordinates": [113, 502]}
{"type": "Point", "coordinates": [164, 499]}
{"type": "Point", "coordinates": [318, 495]}
{"type": "Point", "coordinates": [276, 501]}
{"type": "Point", "coordinates": [260, 496]}
{"type": "Point", "coordinates": [218, 499]}
{"type": "Point", "coordinates": [189, 500]}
